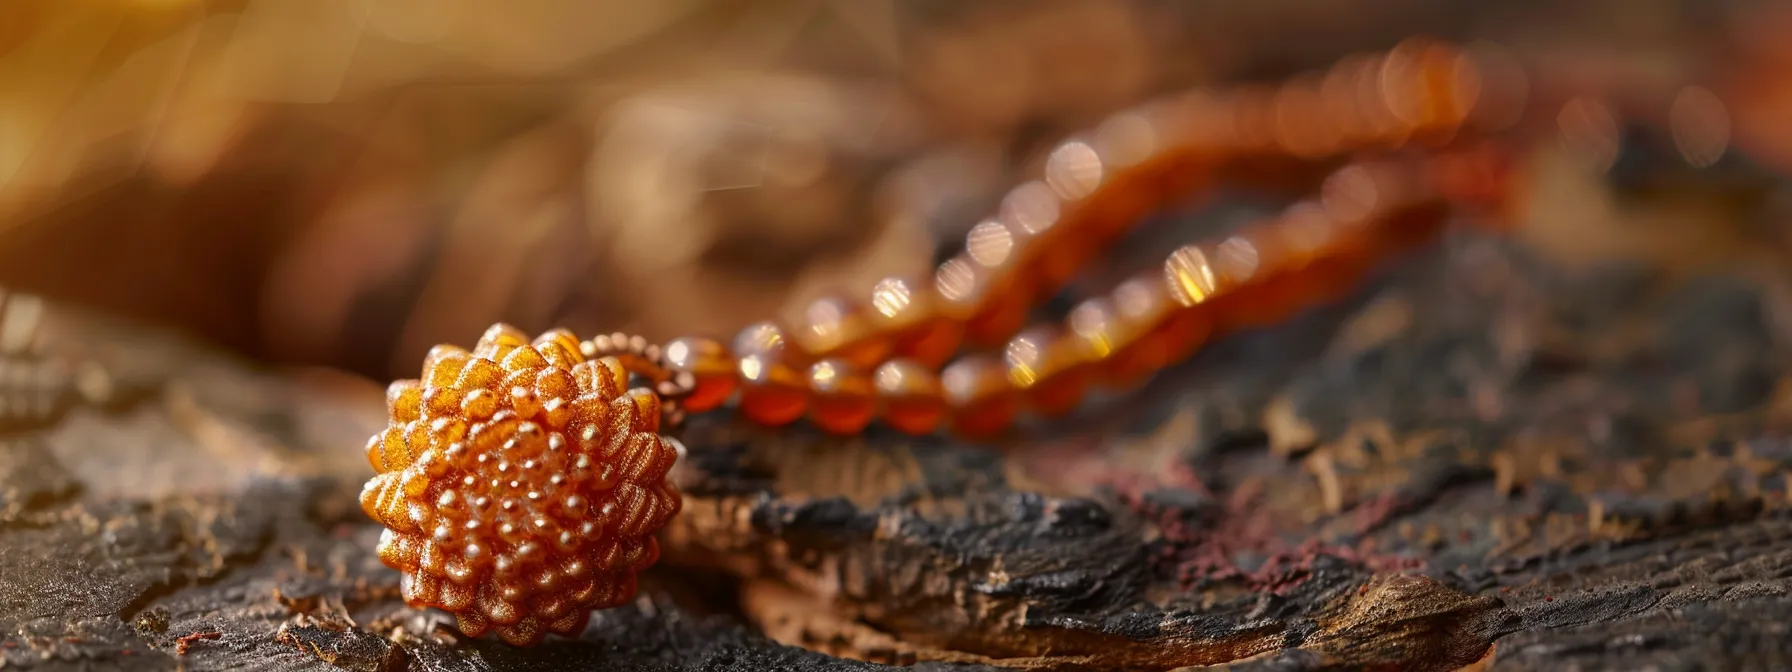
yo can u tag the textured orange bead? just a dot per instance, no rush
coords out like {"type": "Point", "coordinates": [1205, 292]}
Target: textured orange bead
{"type": "Point", "coordinates": [980, 403]}
{"type": "Point", "coordinates": [842, 398]}
{"type": "Point", "coordinates": [910, 396]}
{"type": "Point", "coordinates": [772, 393]}
{"type": "Point", "coordinates": [712, 368]}
{"type": "Point", "coordinates": [520, 486]}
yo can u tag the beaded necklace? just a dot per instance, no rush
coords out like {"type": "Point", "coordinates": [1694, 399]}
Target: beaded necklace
{"type": "Point", "coordinates": [521, 483]}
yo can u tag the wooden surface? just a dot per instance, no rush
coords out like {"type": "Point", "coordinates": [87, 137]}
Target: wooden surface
{"type": "Point", "coordinates": [1482, 460]}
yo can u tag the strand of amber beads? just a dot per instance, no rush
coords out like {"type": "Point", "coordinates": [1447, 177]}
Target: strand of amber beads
{"type": "Point", "coordinates": [1094, 187]}
{"type": "Point", "coordinates": [1259, 275]}
{"type": "Point", "coordinates": [847, 363]}
{"type": "Point", "coordinates": [520, 484]}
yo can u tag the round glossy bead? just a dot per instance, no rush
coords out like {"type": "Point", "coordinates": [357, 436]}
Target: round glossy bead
{"type": "Point", "coordinates": [760, 338]}
{"type": "Point", "coordinates": [932, 343]}
{"type": "Point", "coordinates": [1426, 85]}
{"type": "Point", "coordinates": [910, 312]}
{"type": "Point", "coordinates": [1152, 330]}
{"type": "Point", "coordinates": [991, 305]}
{"type": "Point", "coordinates": [1267, 301]}
{"type": "Point", "coordinates": [999, 319]}
{"type": "Point", "coordinates": [712, 369]}
{"type": "Point", "coordinates": [1190, 277]}
{"type": "Point", "coordinates": [838, 328]}
{"type": "Point", "coordinates": [979, 401]}
{"type": "Point", "coordinates": [1088, 228]}
{"type": "Point", "coordinates": [1074, 170]}
{"type": "Point", "coordinates": [1131, 148]}
{"type": "Point", "coordinates": [909, 396]}
{"type": "Point", "coordinates": [1174, 339]}
{"type": "Point", "coordinates": [899, 304]}
{"type": "Point", "coordinates": [1096, 328]}
{"type": "Point", "coordinates": [998, 248]}
{"type": "Point", "coordinates": [1048, 368]}
{"type": "Point", "coordinates": [1253, 119]}
{"type": "Point", "coordinates": [1034, 216]}
{"type": "Point", "coordinates": [843, 399]}
{"type": "Point", "coordinates": [1031, 210]}
{"type": "Point", "coordinates": [1304, 233]}
{"type": "Point", "coordinates": [772, 393]}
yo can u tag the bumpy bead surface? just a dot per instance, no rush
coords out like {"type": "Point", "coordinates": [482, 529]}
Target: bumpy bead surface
{"type": "Point", "coordinates": [520, 484]}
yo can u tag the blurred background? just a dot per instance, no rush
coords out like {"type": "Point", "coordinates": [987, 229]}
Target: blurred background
{"type": "Point", "coordinates": [347, 182]}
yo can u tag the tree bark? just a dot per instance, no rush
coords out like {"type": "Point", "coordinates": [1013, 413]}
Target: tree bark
{"type": "Point", "coordinates": [1481, 460]}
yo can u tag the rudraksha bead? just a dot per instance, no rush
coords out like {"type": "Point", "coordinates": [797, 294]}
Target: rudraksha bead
{"type": "Point", "coordinates": [520, 484]}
